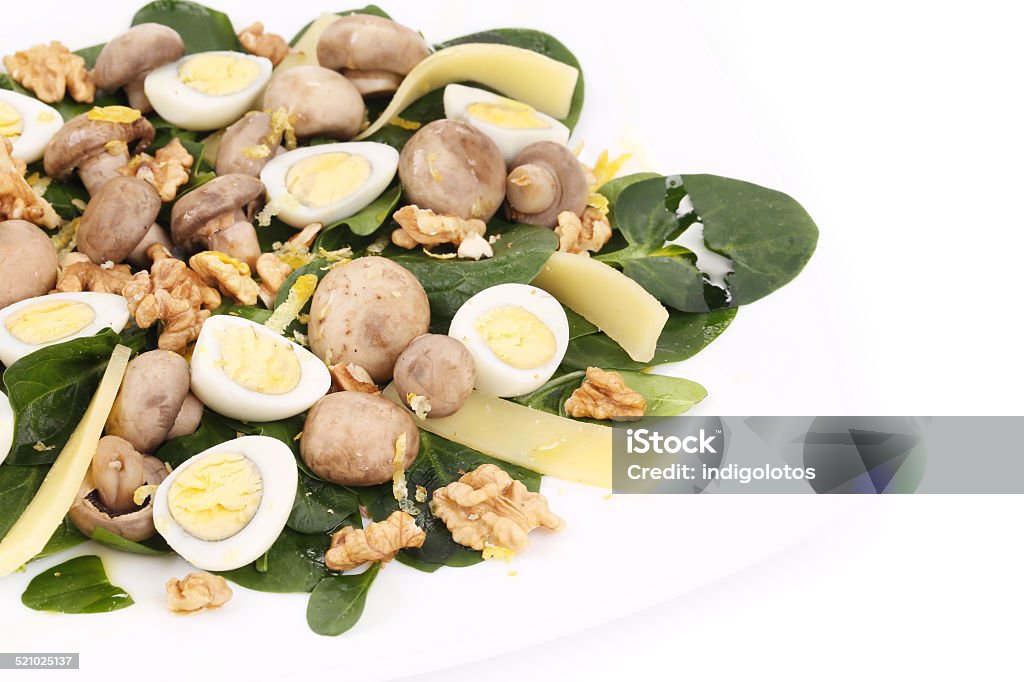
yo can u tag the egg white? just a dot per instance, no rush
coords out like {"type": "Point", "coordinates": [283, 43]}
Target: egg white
{"type": "Point", "coordinates": [191, 109]}
{"type": "Point", "coordinates": [223, 395]}
{"type": "Point", "coordinates": [40, 122]}
{"type": "Point", "coordinates": [493, 375]}
{"type": "Point", "coordinates": [383, 161]}
{"type": "Point", "coordinates": [6, 426]}
{"type": "Point", "coordinates": [111, 311]}
{"type": "Point", "coordinates": [277, 468]}
{"type": "Point", "coordinates": [510, 141]}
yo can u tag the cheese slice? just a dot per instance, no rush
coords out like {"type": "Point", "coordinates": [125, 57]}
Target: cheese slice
{"type": "Point", "coordinates": [546, 443]}
{"type": "Point", "coordinates": [44, 514]}
{"type": "Point", "coordinates": [544, 83]}
{"type": "Point", "coordinates": [608, 299]}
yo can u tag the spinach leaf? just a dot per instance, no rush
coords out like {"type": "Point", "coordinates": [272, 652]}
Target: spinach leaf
{"type": "Point", "coordinates": [579, 325]}
{"type": "Point", "coordinates": [518, 257]}
{"type": "Point", "coordinates": [294, 563]}
{"type": "Point", "coordinates": [321, 507]}
{"type": "Point", "coordinates": [439, 462]}
{"type": "Point", "coordinates": [50, 390]}
{"type": "Point", "coordinates": [78, 585]}
{"type": "Point", "coordinates": [666, 396]}
{"type": "Point", "coordinates": [614, 187]}
{"type": "Point", "coordinates": [212, 431]}
{"type": "Point", "coordinates": [685, 334]}
{"type": "Point", "coordinates": [428, 108]}
{"type": "Point", "coordinates": [203, 29]}
{"type": "Point", "coordinates": [337, 603]}
{"type": "Point", "coordinates": [766, 234]}
{"type": "Point", "coordinates": [363, 223]}
{"type": "Point", "coordinates": [63, 195]}
{"type": "Point", "coordinates": [249, 312]}
{"type": "Point", "coordinates": [89, 54]}
{"type": "Point", "coordinates": [155, 546]}
{"type": "Point", "coordinates": [536, 41]}
{"type": "Point", "coordinates": [65, 537]}
{"type": "Point", "coordinates": [369, 9]}
{"type": "Point", "coordinates": [18, 485]}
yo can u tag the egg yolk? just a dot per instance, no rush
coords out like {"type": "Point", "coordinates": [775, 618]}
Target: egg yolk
{"type": "Point", "coordinates": [258, 361]}
{"type": "Point", "coordinates": [11, 123]}
{"type": "Point", "coordinates": [325, 179]}
{"type": "Point", "coordinates": [516, 336]}
{"type": "Point", "coordinates": [507, 113]}
{"type": "Point", "coordinates": [49, 321]}
{"type": "Point", "coordinates": [218, 74]}
{"type": "Point", "coordinates": [217, 496]}
{"type": "Point", "coordinates": [114, 114]}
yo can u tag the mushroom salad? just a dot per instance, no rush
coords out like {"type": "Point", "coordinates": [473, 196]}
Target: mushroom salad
{"type": "Point", "coordinates": [293, 309]}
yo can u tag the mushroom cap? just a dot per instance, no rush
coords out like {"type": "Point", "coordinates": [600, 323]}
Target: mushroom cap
{"type": "Point", "coordinates": [224, 194]}
{"type": "Point", "coordinates": [135, 53]}
{"type": "Point", "coordinates": [367, 42]}
{"type": "Point", "coordinates": [454, 169]}
{"type": "Point", "coordinates": [82, 138]}
{"type": "Point", "coordinates": [153, 390]}
{"type": "Point", "coordinates": [117, 218]}
{"type": "Point", "coordinates": [28, 261]}
{"type": "Point", "coordinates": [439, 368]}
{"type": "Point", "coordinates": [251, 130]}
{"type": "Point", "coordinates": [135, 525]}
{"type": "Point", "coordinates": [319, 101]}
{"type": "Point", "coordinates": [570, 190]}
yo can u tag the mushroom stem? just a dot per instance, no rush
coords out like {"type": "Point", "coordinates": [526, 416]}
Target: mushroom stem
{"type": "Point", "coordinates": [96, 170]}
{"type": "Point", "coordinates": [531, 189]}
{"type": "Point", "coordinates": [371, 83]}
{"type": "Point", "coordinates": [239, 241]}
{"type": "Point", "coordinates": [117, 472]}
{"type": "Point", "coordinates": [155, 235]}
{"type": "Point", "coordinates": [137, 95]}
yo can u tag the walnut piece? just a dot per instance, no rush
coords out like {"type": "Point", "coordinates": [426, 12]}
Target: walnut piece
{"type": "Point", "coordinates": [17, 200]}
{"type": "Point", "coordinates": [351, 547]}
{"type": "Point", "coordinates": [197, 591]}
{"type": "Point", "coordinates": [488, 508]}
{"type": "Point", "coordinates": [423, 227]}
{"type": "Point", "coordinates": [78, 273]}
{"type": "Point", "coordinates": [604, 395]}
{"type": "Point", "coordinates": [269, 45]}
{"type": "Point", "coordinates": [352, 377]}
{"type": "Point", "coordinates": [174, 294]}
{"type": "Point", "coordinates": [273, 271]}
{"type": "Point", "coordinates": [228, 274]}
{"type": "Point", "coordinates": [51, 70]}
{"type": "Point", "coordinates": [167, 171]}
{"type": "Point", "coordinates": [582, 235]}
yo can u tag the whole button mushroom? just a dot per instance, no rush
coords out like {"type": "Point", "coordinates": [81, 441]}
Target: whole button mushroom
{"type": "Point", "coordinates": [125, 61]}
{"type": "Point", "coordinates": [154, 403]}
{"type": "Point", "coordinates": [374, 52]}
{"type": "Point", "coordinates": [92, 147]}
{"type": "Point", "coordinates": [107, 495]}
{"type": "Point", "coordinates": [438, 368]}
{"type": "Point", "coordinates": [28, 261]}
{"type": "Point", "coordinates": [453, 169]}
{"type": "Point", "coordinates": [215, 216]}
{"type": "Point", "coordinates": [350, 438]}
{"type": "Point", "coordinates": [119, 222]}
{"type": "Point", "coordinates": [546, 179]}
{"type": "Point", "coordinates": [235, 154]}
{"type": "Point", "coordinates": [366, 312]}
{"type": "Point", "coordinates": [318, 101]}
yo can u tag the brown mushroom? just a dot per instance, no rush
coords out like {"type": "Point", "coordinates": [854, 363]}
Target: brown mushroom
{"type": "Point", "coordinates": [438, 369]}
{"type": "Point", "coordinates": [125, 61]}
{"type": "Point", "coordinates": [106, 497]}
{"type": "Point", "coordinates": [154, 403]}
{"type": "Point", "coordinates": [367, 42]}
{"type": "Point", "coordinates": [119, 222]}
{"type": "Point", "coordinates": [96, 148]}
{"type": "Point", "coordinates": [453, 169]}
{"type": "Point", "coordinates": [247, 145]}
{"type": "Point", "coordinates": [318, 101]}
{"type": "Point", "coordinates": [546, 179]}
{"type": "Point", "coordinates": [216, 216]}
{"type": "Point", "coordinates": [28, 261]}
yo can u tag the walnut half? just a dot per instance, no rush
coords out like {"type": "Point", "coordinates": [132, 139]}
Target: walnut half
{"type": "Point", "coordinates": [423, 227]}
{"type": "Point", "coordinates": [583, 235]}
{"type": "Point", "coordinates": [51, 70]}
{"type": "Point", "coordinates": [78, 273]}
{"type": "Point", "coordinates": [197, 591]}
{"type": "Point", "coordinates": [17, 199]}
{"type": "Point", "coordinates": [351, 547]}
{"type": "Point", "coordinates": [604, 395]}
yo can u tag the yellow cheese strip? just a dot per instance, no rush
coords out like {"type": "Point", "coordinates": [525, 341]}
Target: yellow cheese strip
{"type": "Point", "coordinates": [545, 443]}
{"type": "Point", "coordinates": [530, 77]}
{"type": "Point", "coordinates": [608, 299]}
{"type": "Point", "coordinates": [33, 529]}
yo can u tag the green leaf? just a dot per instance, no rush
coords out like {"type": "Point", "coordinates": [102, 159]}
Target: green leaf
{"type": "Point", "coordinates": [50, 390]}
{"type": "Point", "coordinates": [212, 431]}
{"type": "Point", "coordinates": [63, 196]}
{"type": "Point", "coordinates": [201, 28]}
{"type": "Point", "coordinates": [428, 108]}
{"type": "Point", "coordinates": [78, 585]}
{"type": "Point", "coordinates": [294, 563]}
{"type": "Point", "coordinates": [155, 546]}
{"type": "Point", "coordinates": [363, 224]}
{"type": "Point", "coordinates": [666, 396]}
{"type": "Point", "coordinates": [685, 334]}
{"type": "Point", "coordinates": [613, 188]}
{"type": "Point", "coordinates": [321, 507]}
{"type": "Point", "coordinates": [579, 325]}
{"type": "Point", "coordinates": [18, 485]}
{"type": "Point", "coordinates": [65, 537]}
{"type": "Point", "coordinates": [337, 603]}
{"type": "Point", "coordinates": [67, 108]}
{"type": "Point", "coordinates": [369, 9]}
{"type": "Point", "coordinates": [518, 256]}
{"type": "Point", "coordinates": [89, 54]}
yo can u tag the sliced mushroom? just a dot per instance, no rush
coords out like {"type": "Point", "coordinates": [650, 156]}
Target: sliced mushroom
{"type": "Point", "coordinates": [106, 496]}
{"type": "Point", "coordinates": [154, 403]}
{"type": "Point", "coordinates": [28, 261]}
{"type": "Point", "coordinates": [96, 148]}
{"type": "Point", "coordinates": [247, 145]}
{"type": "Point", "coordinates": [367, 42]}
{"type": "Point", "coordinates": [319, 101]}
{"type": "Point", "coordinates": [216, 216]}
{"type": "Point", "coordinates": [125, 61]}
{"type": "Point", "coordinates": [546, 179]}
{"type": "Point", "coordinates": [119, 223]}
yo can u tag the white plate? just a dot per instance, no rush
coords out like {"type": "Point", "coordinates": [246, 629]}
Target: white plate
{"type": "Point", "coordinates": [653, 89]}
